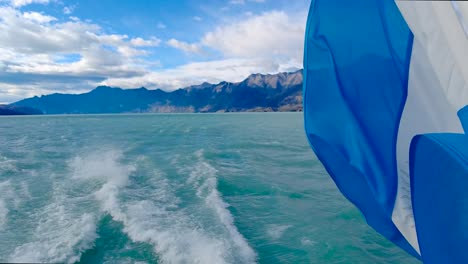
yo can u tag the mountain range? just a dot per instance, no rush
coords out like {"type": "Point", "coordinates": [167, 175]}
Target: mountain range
{"type": "Point", "coordinates": [257, 93]}
{"type": "Point", "coordinates": [18, 110]}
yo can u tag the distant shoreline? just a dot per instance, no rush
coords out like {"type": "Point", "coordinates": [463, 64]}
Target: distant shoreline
{"type": "Point", "coordinates": [280, 92]}
{"type": "Point", "coordinates": [143, 114]}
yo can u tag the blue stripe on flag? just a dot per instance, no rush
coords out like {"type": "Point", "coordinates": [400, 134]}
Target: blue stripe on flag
{"type": "Point", "coordinates": [356, 64]}
{"type": "Point", "coordinates": [439, 182]}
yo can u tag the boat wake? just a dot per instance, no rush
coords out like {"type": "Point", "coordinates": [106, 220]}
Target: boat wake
{"type": "Point", "coordinates": [182, 216]}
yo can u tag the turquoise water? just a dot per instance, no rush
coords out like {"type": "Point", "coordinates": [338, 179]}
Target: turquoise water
{"type": "Point", "coordinates": [195, 188]}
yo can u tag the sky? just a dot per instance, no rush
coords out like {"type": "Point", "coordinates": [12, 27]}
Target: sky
{"type": "Point", "coordinates": [72, 46]}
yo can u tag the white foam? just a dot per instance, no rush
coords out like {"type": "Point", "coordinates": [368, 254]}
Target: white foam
{"type": "Point", "coordinates": [277, 231]}
{"type": "Point", "coordinates": [307, 242]}
{"type": "Point", "coordinates": [155, 219]}
{"type": "Point", "coordinates": [106, 168]}
{"type": "Point", "coordinates": [7, 164]}
{"type": "Point", "coordinates": [64, 231]}
{"type": "Point", "coordinates": [102, 165]}
{"type": "Point", "coordinates": [175, 238]}
{"type": "Point", "coordinates": [161, 223]}
{"type": "Point", "coordinates": [6, 193]}
{"type": "Point", "coordinates": [152, 214]}
{"type": "Point", "coordinates": [58, 238]}
{"type": "Point", "coordinates": [203, 177]}
{"type": "Point", "coordinates": [11, 197]}
{"type": "Point", "coordinates": [3, 214]}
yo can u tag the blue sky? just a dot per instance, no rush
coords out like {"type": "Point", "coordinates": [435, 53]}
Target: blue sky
{"type": "Point", "coordinates": [68, 46]}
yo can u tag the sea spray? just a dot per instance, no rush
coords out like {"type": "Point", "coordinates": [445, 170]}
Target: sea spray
{"type": "Point", "coordinates": [204, 179]}
{"type": "Point", "coordinates": [59, 237]}
{"type": "Point", "coordinates": [3, 214]}
{"type": "Point", "coordinates": [276, 231]}
{"type": "Point", "coordinates": [174, 237]}
{"type": "Point", "coordinates": [10, 199]}
{"type": "Point", "coordinates": [4, 194]}
{"type": "Point", "coordinates": [64, 230]}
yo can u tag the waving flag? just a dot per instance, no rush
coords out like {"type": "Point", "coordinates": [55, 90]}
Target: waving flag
{"type": "Point", "coordinates": [385, 91]}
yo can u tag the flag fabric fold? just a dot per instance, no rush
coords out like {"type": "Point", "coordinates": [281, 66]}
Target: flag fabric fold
{"type": "Point", "coordinates": [371, 86]}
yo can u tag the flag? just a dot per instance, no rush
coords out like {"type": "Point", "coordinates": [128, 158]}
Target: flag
{"type": "Point", "coordinates": [385, 90]}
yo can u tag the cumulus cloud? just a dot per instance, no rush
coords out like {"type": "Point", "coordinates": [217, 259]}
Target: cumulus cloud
{"type": "Point", "coordinates": [242, 2]}
{"type": "Point", "coordinates": [269, 34]}
{"type": "Point", "coordinates": [267, 43]}
{"type": "Point", "coordinates": [139, 42]}
{"type": "Point", "coordinates": [38, 17]}
{"type": "Point", "coordinates": [36, 51]}
{"type": "Point", "coordinates": [232, 70]}
{"type": "Point", "coordinates": [184, 46]}
{"type": "Point", "coordinates": [40, 54]}
{"type": "Point", "coordinates": [68, 10]}
{"type": "Point", "coordinates": [20, 3]}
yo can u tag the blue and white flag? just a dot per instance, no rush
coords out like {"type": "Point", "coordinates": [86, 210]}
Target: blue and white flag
{"type": "Point", "coordinates": [385, 95]}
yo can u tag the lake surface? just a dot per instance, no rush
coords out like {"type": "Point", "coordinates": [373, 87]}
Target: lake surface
{"type": "Point", "coordinates": [175, 188]}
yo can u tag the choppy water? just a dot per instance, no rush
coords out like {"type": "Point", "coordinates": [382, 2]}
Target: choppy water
{"type": "Point", "coordinates": [195, 188]}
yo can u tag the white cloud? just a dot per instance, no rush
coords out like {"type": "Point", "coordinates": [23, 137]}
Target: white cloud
{"type": "Point", "coordinates": [272, 34]}
{"type": "Point", "coordinates": [231, 70]}
{"type": "Point", "coordinates": [184, 46]}
{"type": "Point", "coordinates": [161, 25]}
{"type": "Point", "coordinates": [68, 10]}
{"type": "Point", "coordinates": [38, 17]}
{"type": "Point", "coordinates": [267, 43]}
{"type": "Point", "coordinates": [20, 3]}
{"type": "Point", "coordinates": [41, 55]}
{"type": "Point", "coordinates": [139, 42]}
{"type": "Point", "coordinates": [71, 56]}
{"type": "Point", "coordinates": [197, 18]}
{"type": "Point", "coordinates": [28, 35]}
{"type": "Point", "coordinates": [242, 2]}
{"type": "Point", "coordinates": [272, 38]}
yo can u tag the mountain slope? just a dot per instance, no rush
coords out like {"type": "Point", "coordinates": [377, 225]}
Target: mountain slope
{"type": "Point", "coordinates": [18, 110]}
{"type": "Point", "coordinates": [279, 92]}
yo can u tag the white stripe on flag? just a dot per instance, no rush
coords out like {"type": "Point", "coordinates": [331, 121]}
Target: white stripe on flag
{"type": "Point", "coordinates": [437, 89]}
